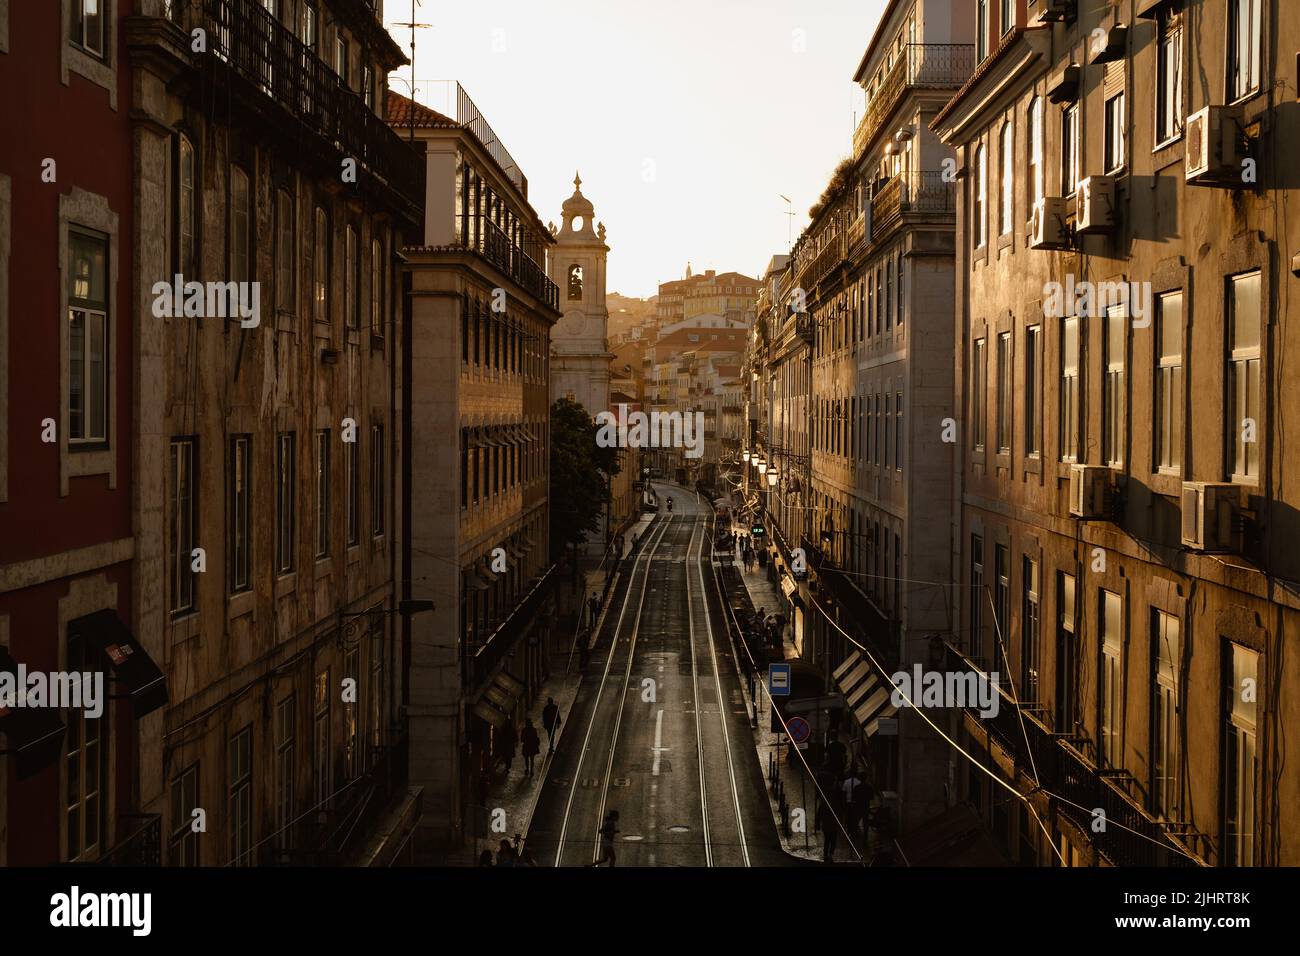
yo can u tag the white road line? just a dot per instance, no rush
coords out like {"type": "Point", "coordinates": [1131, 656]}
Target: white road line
{"type": "Point", "coordinates": [695, 685]}
{"type": "Point", "coordinates": [577, 775]}
{"type": "Point", "coordinates": [722, 713]}
{"type": "Point", "coordinates": [658, 748]}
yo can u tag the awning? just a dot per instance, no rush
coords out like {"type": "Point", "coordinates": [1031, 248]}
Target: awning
{"type": "Point", "coordinates": [497, 702]}
{"type": "Point", "coordinates": [133, 669]}
{"type": "Point", "coordinates": [866, 694]}
{"type": "Point", "coordinates": [486, 574]}
{"type": "Point", "coordinates": [33, 736]}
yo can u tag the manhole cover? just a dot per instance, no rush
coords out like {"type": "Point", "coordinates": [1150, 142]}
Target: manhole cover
{"type": "Point", "coordinates": [633, 838]}
{"type": "Point", "coordinates": [679, 828]}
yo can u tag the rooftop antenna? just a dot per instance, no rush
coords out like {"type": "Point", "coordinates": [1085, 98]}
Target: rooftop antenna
{"type": "Point", "coordinates": [414, 25]}
{"type": "Point", "coordinates": [789, 225]}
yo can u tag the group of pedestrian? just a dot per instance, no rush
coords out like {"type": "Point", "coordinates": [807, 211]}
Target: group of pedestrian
{"type": "Point", "coordinates": [844, 797]}
{"type": "Point", "coordinates": [508, 854]}
{"type": "Point", "coordinates": [507, 740]}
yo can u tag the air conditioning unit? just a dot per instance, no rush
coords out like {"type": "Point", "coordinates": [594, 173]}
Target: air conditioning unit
{"type": "Point", "coordinates": [1047, 225]}
{"type": "Point", "coordinates": [1210, 516]}
{"type": "Point", "coordinates": [1094, 209]}
{"type": "Point", "coordinates": [1214, 148]}
{"type": "Point", "coordinates": [1053, 10]}
{"type": "Point", "coordinates": [1088, 487]}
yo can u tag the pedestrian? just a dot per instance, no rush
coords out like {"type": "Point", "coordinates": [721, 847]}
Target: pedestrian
{"type": "Point", "coordinates": [532, 745]}
{"type": "Point", "coordinates": [485, 858]}
{"type": "Point", "coordinates": [507, 741]}
{"type": "Point", "coordinates": [608, 830]}
{"type": "Point", "coordinates": [584, 651]}
{"type": "Point", "coordinates": [551, 721]}
{"type": "Point", "coordinates": [505, 854]}
{"type": "Point", "coordinates": [593, 606]}
{"type": "Point", "coordinates": [852, 801]}
{"type": "Point", "coordinates": [829, 810]}
{"type": "Point", "coordinates": [836, 755]}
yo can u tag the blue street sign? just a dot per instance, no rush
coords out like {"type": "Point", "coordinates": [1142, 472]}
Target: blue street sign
{"type": "Point", "coordinates": [778, 680]}
{"type": "Point", "coordinates": [799, 730]}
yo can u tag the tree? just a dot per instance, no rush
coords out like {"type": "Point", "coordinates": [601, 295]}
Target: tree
{"type": "Point", "coordinates": [580, 474]}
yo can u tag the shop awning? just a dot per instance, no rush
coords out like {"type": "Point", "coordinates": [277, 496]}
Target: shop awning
{"type": "Point", "coordinates": [866, 694]}
{"type": "Point", "coordinates": [133, 669]}
{"type": "Point", "coordinates": [33, 736]}
{"type": "Point", "coordinates": [497, 702]}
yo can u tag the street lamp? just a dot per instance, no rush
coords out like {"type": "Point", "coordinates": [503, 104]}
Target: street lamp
{"type": "Point", "coordinates": [745, 454]}
{"type": "Point", "coordinates": [772, 478]}
{"type": "Point", "coordinates": [762, 468]}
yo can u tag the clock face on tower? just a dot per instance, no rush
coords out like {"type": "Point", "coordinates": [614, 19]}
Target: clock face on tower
{"type": "Point", "coordinates": [574, 324]}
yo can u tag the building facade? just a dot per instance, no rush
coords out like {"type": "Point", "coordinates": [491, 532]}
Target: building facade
{"type": "Point", "coordinates": [1124, 537]}
{"type": "Point", "coordinates": [481, 315]}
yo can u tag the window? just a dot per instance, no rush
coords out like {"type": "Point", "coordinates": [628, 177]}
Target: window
{"type": "Point", "coordinates": [1031, 627]}
{"type": "Point", "coordinates": [1169, 77]}
{"type": "Point", "coordinates": [898, 431]}
{"type": "Point", "coordinates": [1166, 750]}
{"type": "Point", "coordinates": [899, 267]}
{"type": "Point", "coordinates": [86, 755]}
{"type": "Point", "coordinates": [183, 517]}
{"type": "Point", "coordinates": [1007, 10]}
{"type": "Point", "coordinates": [88, 345]}
{"type": "Point", "coordinates": [1114, 144]}
{"type": "Point", "coordinates": [310, 25]}
{"type": "Point", "coordinates": [1169, 382]}
{"type": "Point", "coordinates": [186, 210]}
{"type": "Point", "coordinates": [241, 499]}
{"type": "Point", "coordinates": [1001, 604]}
{"type": "Point", "coordinates": [1007, 185]}
{"type": "Point", "coordinates": [350, 291]}
{"type": "Point", "coordinates": [1037, 186]}
{"type": "Point", "coordinates": [1111, 685]}
{"type": "Point", "coordinates": [889, 424]}
{"type": "Point", "coordinates": [979, 393]}
{"type": "Point", "coordinates": [323, 767]}
{"type": "Point", "coordinates": [320, 268]}
{"type": "Point", "coordinates": [976, 596]}
{"type": "Point", "coordinates": [1033, 389]}
{"type": "Point", "coordinates": [1067, 656]}
{"type": "Point", "coordinates": [1243, 47]}
{"type": "Point", "coordinates": [981, 196]}
{"type": "Point", "coordinates": [241, 797]}
{"type": "Point", "coordinates": [1070, 388]}
{"type": "Point", "coordinates": [353, 492]}
{"type": "Point", "coordinates": [1069, 149]}
{"type": "Point", "coordinates": [1240, 763]}
{"type": "Point", "coordinates": [376, 690]}
{"type": "Point", "coordinates": [1243, 375]}
{"type": "Point", "coordinates": [1005, 415]}
{"type": "Point", "coordinates": [322, 493]}
{"type": "Point", "coordinates": [368, 87]}
{"type": "Point", "coordinates": [285, 768]}
{"type": "Point", "coordinates": [377, 480]}
{"type": "Point", "coordinates": [351, 732]}
{"type": "Point", "coordinates": [1113, 410]}
{"type": "Point", "coordinates": [981, 29]}
{"type": "Point", "coordinates": [240, 225]}
{"type": "Point", "coordinates": [376, 287]}
{"type": "Point", "coordinates": [89, 29]}
{"type": "Point", "coordinates": [341, 59]}
{"type": "Point", "coordinates": [183, 842]}
{"type": "Point", "coordinates": [284, 252]}
{"type": "Point", "coordinates": [285, 497]}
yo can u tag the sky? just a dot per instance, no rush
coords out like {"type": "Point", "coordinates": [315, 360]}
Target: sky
{"type": "Point", "coordinates": [687, 120]}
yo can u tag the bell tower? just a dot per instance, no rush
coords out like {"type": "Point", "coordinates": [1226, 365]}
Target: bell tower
{"type": "Point", "coordinates": [579, 350]}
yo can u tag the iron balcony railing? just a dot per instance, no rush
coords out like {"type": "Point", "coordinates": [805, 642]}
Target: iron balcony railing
{"type": "Point", "coordinates": [935, 66]}
{"type": "Point", "coordinates": [923, 193]}
{"type": "Point", "coordinates": [468, 116]}
{"type": "Point", "coordinates": [1133, 837]}
{"type": "Point", "coordinates": [495, 246]}
{"type": "Point", "coordinates": [481, 662]}
{"type": "Point", "coordinates": [142, 846]}
{"type": "Point", "coordinates": [246, 43]}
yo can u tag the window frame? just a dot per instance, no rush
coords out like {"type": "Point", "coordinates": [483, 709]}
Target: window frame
{"type": "Point", "coordinates": [239, 519]}
{"type": "Point", "coordinates": [182, 580]}
{"type": "Point", "coordinates": [100, 309]}
{"type": "Point", "coordinates": [1241, 398]}
{"type": "Point", "coordinates": [286, 498]}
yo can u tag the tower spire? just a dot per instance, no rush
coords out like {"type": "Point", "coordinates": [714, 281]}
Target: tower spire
{"type": "Point", "coordinates": [577, 181]}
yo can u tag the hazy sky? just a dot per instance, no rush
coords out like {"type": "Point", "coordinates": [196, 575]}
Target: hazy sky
{"type": "Point", "coordinates": [687, 118]}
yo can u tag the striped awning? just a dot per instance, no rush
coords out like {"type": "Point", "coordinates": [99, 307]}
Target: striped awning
{"type": "Point", "coordinates": [866, 693]}
{"type": "Point", "coordinates": [497, 702]}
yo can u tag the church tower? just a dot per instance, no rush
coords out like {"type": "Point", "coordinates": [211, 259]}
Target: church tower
{"type": "Point", "coordinates": [579, 354]}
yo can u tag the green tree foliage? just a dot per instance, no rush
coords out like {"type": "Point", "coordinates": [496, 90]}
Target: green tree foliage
{"type": "Point", "coordinates": [580, 473]}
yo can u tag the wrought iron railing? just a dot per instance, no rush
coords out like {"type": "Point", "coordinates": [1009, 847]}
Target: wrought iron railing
{"type": "Point", "coordinates": [922, 193]}
{"type": "Point", "coordinates": [142, 846]}
{"type": "Point", "coordinates": [495, 246]}
{"type": "Point", "coordinates": [481, 662]}
{"type": "Point", "coordinates": [244, 42]}
{"type": "Point", "coordinates": [938, 66]}
{"type": "Point", "coordinates": [468, 116]}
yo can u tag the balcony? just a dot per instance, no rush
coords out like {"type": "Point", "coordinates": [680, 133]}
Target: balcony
{"type": "Point", "coordinates": [259, 64]}
{"type": "Point", "coordinates": [482, 663]}
{"type": "Point", "coordinates": [918, 196]}
{"type": "Point", "coordinates": [930, 66]}
{"type": "Point", "coordinates": [142, 846]}
{"type": "Point", "coordinates": [1077, 786]}
{"type": "Point", "coordinates": [495, 246]}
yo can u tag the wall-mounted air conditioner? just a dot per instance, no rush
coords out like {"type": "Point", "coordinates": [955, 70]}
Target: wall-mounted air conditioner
{"type": "Point", "coordinates": [1089, 485]}
{"type": "Point", "coordinates": [1094, 205]}
{"type": "Point", "coordinates": [1210, 516]}
{"type": "Point", "coordinates": [1047, 226]}
{"type": "Point", "coordinates": [1215, 148]}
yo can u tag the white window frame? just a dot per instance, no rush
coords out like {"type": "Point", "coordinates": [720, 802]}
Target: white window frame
{"type": "Point", "coordinates": [1169, 390]}
{"type": "Point", "coordinates": [1244, 367]}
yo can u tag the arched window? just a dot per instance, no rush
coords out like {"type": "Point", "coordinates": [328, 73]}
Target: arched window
{"type": "Point", "coordinates": [1008, 178]}
{"type": "Point", "coordinates": [575, 281]}
{"type": "Point", "coordinates": [1036, 187]}
{"type": "Point", "coordinates": [981, 196]}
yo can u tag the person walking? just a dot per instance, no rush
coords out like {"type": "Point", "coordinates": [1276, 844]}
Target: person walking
{"type": "Point", "coordinates": [852, 802]}
{"type": "Point", "coordinates": [507, 741]}
{"type": "Point", "coordinates": [593, 608]}
{"type": "Point", "coordinates": [551, 722]}
{"type": "Point", "coordinates": [532, 745]}
{"type": "Point", "coordinates": [608, 830]}
{"type": "Point", "coordinates": [505, 854]}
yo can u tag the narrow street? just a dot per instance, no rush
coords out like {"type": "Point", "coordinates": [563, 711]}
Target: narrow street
{"type": "Point", "coordinates": [659, 731]}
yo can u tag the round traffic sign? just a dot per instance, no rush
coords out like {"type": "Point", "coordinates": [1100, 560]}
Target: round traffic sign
{"type": "Point", "coordinates": [799, 729]}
